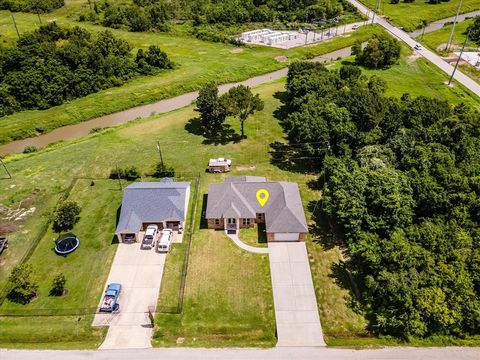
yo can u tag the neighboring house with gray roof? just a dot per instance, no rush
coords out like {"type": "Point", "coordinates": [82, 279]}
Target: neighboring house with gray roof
{"type": "Point", "coordinates": [163, 203]}
{"type": "Point", "coordinates": [233, 205]}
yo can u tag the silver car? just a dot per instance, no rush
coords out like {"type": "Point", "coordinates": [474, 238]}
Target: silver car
{"type": "Point", "coordinates": [150, 236]}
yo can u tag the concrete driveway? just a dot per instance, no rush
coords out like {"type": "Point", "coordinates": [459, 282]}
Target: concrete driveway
{"type": "Point", "coordinates": [296, 312]}
{"type": "Point", "coordinates": [140, 273]}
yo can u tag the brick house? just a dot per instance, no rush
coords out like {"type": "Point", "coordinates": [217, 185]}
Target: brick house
{"type": "Point", "coordinates": [162, 203]}
{"type": "Point", "coordinates": [233, 205]}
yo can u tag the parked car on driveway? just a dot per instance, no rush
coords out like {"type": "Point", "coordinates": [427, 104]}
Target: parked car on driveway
{"type": "Point", "coordinates": [150, 236]}
{"type": "Point", "coordinates": [355, 27]}
{"type": "Point", "coordinates": [110, 299]}
{"type": "Point", "coordinates": [129, 238]}
{"type": "Point", "coordinates": [163, 245]}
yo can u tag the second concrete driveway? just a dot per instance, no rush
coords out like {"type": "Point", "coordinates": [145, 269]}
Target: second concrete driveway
{"type": "Point", "coordinates": [140, 273]}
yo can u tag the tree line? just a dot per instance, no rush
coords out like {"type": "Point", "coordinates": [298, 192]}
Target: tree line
{"type": "Point", "coordinates": [35, 6]}
{"type": "Point", "coordinates": [214, 20]}
{"type": "Point", "coordinates": [54, 64]}
{"type": "Point", "coordinates": [402, 193]}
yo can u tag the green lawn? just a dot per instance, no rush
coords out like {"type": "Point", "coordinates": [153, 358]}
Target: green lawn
{"type": "Point", "coordinates": [52, 169]}
{"type": "Point", "coordinates": [437, 40]}
{"type": "Point", "coordinates": [85, 271]}
{"type": "Point", "coordinates": [228, 298]}
{"type": "Point", "coordinates": [197, 62]}
{"type": "Point", "coordinates": [410, 15]}
{"type": "Point", "coordinates": [255, 236]}
{"type": "Point", "coordinates": [417, 76]}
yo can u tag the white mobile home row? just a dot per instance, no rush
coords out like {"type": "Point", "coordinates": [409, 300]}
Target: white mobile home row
{"type": "Point", "coordinates": [255, 34]}
{"type": "Point", "coordinates": [268, 37]}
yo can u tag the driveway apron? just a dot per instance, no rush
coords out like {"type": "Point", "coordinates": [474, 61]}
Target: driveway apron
{"type": "Point", "coordinates": [140, 273]}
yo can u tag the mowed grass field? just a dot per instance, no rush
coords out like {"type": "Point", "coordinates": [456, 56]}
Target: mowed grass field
{"type": "Point", "coordinates": [51, 171]}
{"type": "Point", "coordinates": [410, 15]}
{"type": "Point", "coordinates": [197, 62]}
{"type": "Point", "coordinates": [85, 271]}
{"type": "Point", "coordinates": [437, 41]}
{"type": "Point", "coordinates": [228, 298]}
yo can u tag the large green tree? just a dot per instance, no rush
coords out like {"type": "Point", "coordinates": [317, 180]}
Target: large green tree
{"type": "Point", "coordinates": [211, 108]}
{"type": "Point", "coordinates": [381, 51]}
{"type": "Point", "coordinates": [474, 30]}
{"type": "Point", "coordinates": [241, 103]}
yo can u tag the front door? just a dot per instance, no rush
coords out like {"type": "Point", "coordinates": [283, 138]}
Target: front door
{"type": "Point", "coordinates": [232, 224]}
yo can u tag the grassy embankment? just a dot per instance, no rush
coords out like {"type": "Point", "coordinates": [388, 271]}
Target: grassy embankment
{"type": "Point", "coordinates": [197, 62]}
{"type": "Point", "coordinates": [218, 270]}
{"type": "Point", "coordinates": [410, 15]}
{"type": "Point", "coordinates": [437, 40]}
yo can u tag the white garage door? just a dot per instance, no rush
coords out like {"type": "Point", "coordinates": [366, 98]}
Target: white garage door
{"type": "Point", "coordinates": [286, 236]}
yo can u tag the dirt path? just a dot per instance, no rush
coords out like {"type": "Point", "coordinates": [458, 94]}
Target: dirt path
{"type": "Point", "coordinates": [163, 106]}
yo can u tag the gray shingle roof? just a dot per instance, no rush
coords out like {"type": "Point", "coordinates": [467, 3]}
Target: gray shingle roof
{"type": "Point", "coordinates": [145, 202]}
{"type": "Point", "coordinates": [236, 197]}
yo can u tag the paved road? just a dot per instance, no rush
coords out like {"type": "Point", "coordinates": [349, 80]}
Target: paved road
{"type": "Point", "coordinates": [140, 273]}
{"type": "Point", "coordinates": [279, 353]}
{"type": "Point", "coordinates": [296, 312]}
{"type": "Point", "coordinates": [429, 55]}
{"type": "Point", "coordinates": [437, 25]}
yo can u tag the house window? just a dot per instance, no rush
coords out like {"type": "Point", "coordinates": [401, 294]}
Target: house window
{"type": "Point", "coordinates": [260, 217]}
{"type": "Point", "coordinates": [246, 221]}
{"type": "Point", "coordinates": [232, 221]}
{"type": "Point", "coordinates": [217, 221]}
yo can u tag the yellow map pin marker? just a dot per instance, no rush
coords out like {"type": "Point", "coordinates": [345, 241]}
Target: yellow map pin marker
{"type": "Point", "coordinates": [262, 196]}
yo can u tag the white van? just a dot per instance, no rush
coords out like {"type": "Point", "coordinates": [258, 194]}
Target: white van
{"type": "Point", "coordinates": [163, 245]}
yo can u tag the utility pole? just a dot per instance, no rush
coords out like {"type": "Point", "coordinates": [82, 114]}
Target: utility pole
{"type": "Point", "coordinates": [424, 28]}
{"type": "Point", "coordinates": [459, 57]}
{"type": "Point", "coordinates": [39, 18]}
{"type": "Point", "coordinates": [453, 26]}
{"type": "Point", "coordinates": [160, 153]}
{"type": "Point", "coordinates": [16, 28]}
{"type": "Point", "coordinates": [6, 169]}
{"type": "Point", "coordinates": [375, 9]}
